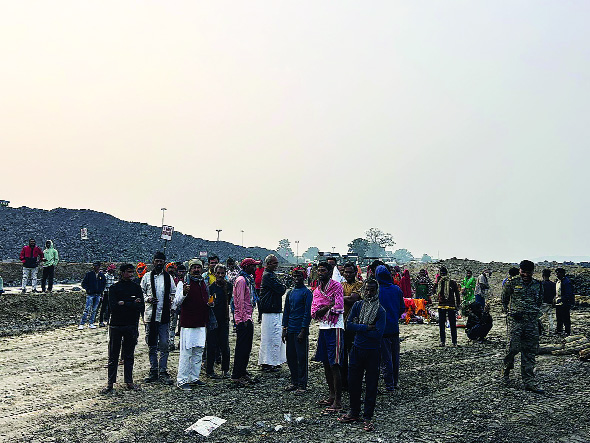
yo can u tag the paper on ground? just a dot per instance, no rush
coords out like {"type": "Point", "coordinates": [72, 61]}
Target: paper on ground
{"type": "Point", "coordinates": [205, 425]}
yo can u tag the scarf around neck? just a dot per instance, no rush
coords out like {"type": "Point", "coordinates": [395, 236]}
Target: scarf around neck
{"type": "Point", "coordinates": [369, 309]}
{"type": "Point", "coordinates": [250, 282]}
{"type": "Point", "coordinates": [332, 294]}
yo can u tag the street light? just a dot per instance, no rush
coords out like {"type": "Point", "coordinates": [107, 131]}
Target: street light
{"type": "Point", "coordinates": [297, 255]}
{"type": "Point", "coordinates": [333, 247]}
{"type": "Point", "coordinates": [242, 238]}
{"type": "Point", "coordinates": [218, 231]}
{"type": "Point", "coordinates": [165, 241]}
{"type": "Point", "coordinates": [163, 209]}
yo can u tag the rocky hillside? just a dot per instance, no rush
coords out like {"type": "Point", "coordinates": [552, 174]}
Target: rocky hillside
{"type": "Point", "coordinates": [109, 238]}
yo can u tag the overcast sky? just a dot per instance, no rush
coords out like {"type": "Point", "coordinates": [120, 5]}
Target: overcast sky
{"type": "Point", "coordinates": [460, 127]}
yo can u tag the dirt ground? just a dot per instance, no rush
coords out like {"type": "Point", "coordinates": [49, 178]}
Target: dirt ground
{"type": "Point", "coordinates": [51, 378]}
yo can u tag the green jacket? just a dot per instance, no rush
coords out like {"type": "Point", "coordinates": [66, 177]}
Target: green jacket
{"type": "Point", "coordinates": [522, 299]}
{"type": "Point", "coordinates": [50, 255]}
{"type": "Point", "coordinates": [468, 285]}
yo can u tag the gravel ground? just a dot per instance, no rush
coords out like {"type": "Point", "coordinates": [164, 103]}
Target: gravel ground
{"type": "Point", "coordinates": [51, 379]}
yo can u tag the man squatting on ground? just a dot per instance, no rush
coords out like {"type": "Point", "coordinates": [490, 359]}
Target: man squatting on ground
{"type": "Point", "coordinates": [94, 283]}
{"type": "Point", "coordinates": [272, 353]}
{"type": "Point", "coordinates": [157, 287]}
{"type": "Point", "coordinates": [328, 309]}
{"type": "Point", "coordinates": [244, 300]}
{"type": "Point", "coordinates": [296, 319]}
{"type": "Point", "coordinates": [193, 296]}
{"type": "Point", "coordinates": [367, 321]}
{"type": "Point", "coordinates": [522, 297]}
{"type": "Point", "coordinates": [126, 303]}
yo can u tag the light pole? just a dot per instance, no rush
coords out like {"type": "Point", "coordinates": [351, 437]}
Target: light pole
{"type": "Point", "coordinates": [165, 241]}
{"type": "Point", "coordinates": [242, 238]}
{"type": "Point", "coordinates": [297, 254]}
{"type": "Point", "coordinates": [218, 231]}
{"type": "Point", "coordinates": [163, 209]}
{"type": "Point", "coordinates": [333, 247]}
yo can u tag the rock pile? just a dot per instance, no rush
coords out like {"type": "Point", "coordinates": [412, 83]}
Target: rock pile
{"type": "Point", "coordinates": [109, 238]}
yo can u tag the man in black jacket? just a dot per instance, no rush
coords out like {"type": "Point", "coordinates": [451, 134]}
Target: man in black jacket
{"type": "Point", "coordinates": [125, 304]}
{"type": "Point", "coordinates": [272, 349]}
{"type": "Point", "coordinates": [94, 283]}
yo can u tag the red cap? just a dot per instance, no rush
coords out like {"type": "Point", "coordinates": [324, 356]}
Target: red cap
{"type": "Point", "coordinates": [248, 262]}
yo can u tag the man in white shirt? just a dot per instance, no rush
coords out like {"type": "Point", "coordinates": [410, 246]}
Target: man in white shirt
{"type": "Point", "coordinates": [158, 288]}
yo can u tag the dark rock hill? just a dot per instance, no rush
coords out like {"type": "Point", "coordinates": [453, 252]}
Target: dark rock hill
{"type": "Point", "coordinates": [109, 238]}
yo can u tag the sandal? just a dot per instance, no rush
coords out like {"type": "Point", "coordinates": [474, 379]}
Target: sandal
{"type": "Point", "coordinates": [331, 410]}
{"type": "Point", "coordinates": [369, 427]}
{"type": "Point", "coordinates": [107, 390]}
{"type": "Point", "coordinates": [325, 402]}
{"type": "Point", "coordinates": [348, 419]}
{"type": "Point", "coordinates": [290, 388]}
{"type": "Point", "coordinates": [300, 391]}
{"type": "Point", "coordinates": [133, 387]}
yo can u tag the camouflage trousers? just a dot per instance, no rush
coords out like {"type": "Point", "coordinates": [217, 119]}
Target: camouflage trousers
{"type": "Point", "coordinates": [523, 337]}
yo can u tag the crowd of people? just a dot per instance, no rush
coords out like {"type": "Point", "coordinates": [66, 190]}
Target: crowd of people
{"type": "Point", "coordinates": [357, 316]}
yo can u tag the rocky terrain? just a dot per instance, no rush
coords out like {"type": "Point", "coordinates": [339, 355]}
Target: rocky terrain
{"type": "Point", "coordinates": [51, 379]}
{"type": "Point", "coordinates": [109, 238]}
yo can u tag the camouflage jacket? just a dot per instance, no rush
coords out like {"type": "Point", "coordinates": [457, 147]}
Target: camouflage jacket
{"type": "Point", "coordinates": [522, 299]}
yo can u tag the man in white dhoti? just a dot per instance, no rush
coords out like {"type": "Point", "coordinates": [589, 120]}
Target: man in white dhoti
{"type": "Point", "coordinates": [193, 296]}
{"type": "Point", "coordinates": [272, 349]}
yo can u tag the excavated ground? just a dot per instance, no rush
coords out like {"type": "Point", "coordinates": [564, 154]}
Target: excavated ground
{"type": "Point", "coordinates": [51, 374]}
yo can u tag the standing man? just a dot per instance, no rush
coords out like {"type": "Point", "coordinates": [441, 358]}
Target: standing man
{"type": "Point", "coordinates": [336, 275]}
{"type": "Point", "coordinates": [193, 296]}
{"type": "Point", "coordinates": [549, 292]}
{"type": "Point", "coordinates": [50, 261]}
{"type": "Point", "coordinates": [522, 297]}
{"type": "Point", "coordinates": [125, 304]}
{"type": "Point", "coordinates": [105, 306]}
{"type": "Point", "coordinates": [447, 294]}
{"type": "Point", "coordinates": [392, 300]}
{"type": "Point", "coordinates": [243, 293]}
{"type": "Point", "coordinates": [564, 301]}
{"type": "Point", "coordinates": [94, 283]}
{"type": "Point", "coordinates": [209, 275]}
{"type": "Point", "coordinates": [231, 271]}
{"type": "Point", "coordinates": [367, 319]}
{"type": "Point", "coordinates": [296, 319]}
{"type": "Point", "coordinates": [328, 309]}
{"type": "Point", "coordinates": [157, 287]}
{"type": "Point", "coordinates": [468, 288]}
{"type": "Point", "coordinates": [218, 338]}
{"type": "Point", "coordinates": [351, 289]}
{"type": "Point", "coordinates": [272, 352]}
{"type": "Point", "coordinates": [482, 287]}
{"type": "Point", "coordinates": [30, 256]}
{"type": "Point", "coordinates": [179, 277]}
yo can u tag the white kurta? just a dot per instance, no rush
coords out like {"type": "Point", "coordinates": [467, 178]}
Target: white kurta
{"type": "Point", "coordinates": [273, 351]}
{"type": "Point", "coordinates": [192, 343]}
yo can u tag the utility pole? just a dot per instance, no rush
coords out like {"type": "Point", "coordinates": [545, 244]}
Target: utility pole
{"type": "Point", "coordinates": [297, 254]}
{"type": "Point", "coordinates": [218, 231]}
{"type": "Point", "coordinates": [165, 241]}
{"type": "Point", "coordinates": [333, 247]}
{"type": "Point", "coordinates": [242, 238]}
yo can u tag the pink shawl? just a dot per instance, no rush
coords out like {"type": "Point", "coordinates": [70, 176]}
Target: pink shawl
{"type": "Point", "coordinates": [332, 296]}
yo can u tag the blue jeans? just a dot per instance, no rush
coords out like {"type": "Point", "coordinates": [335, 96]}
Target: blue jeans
{"type": "Point", "coordinates": [390, 361]}
{"type": "Point", "coordinates": [156, 336]}
{"type": "Point", "coordinates": [90, 308]}
{"type": "Point", "coordinates": [479, 299]}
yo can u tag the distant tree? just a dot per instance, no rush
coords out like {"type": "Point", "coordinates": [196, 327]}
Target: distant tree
{"type": "Point", "coordinates": [285, 251]}
{"type": "Point", "coordinates": [311, 253]}
{"type": "Point", "coordinates": [377, 236]}
{"type": "Point", "coordinates": [403, 256]}
{"type": "Point", "coordinates": [359, 246]}
{"type": "Point", "coordinates": [426, 258]}
{"type": "Point", "coordinates": [375, 251]}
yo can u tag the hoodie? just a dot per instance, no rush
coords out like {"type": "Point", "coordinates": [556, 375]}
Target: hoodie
{"type": "Point", "coordinates": [391, 299]}
{"type": "Point", "coordinates": [50, 255]}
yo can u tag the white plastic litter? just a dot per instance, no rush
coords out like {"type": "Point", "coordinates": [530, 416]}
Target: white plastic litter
{"type": "Point", "coordinates": [287, 417]}
{"type": "Point", "coordinates": [205, 425]}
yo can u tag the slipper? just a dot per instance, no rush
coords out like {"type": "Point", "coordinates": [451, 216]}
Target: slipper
{"type": "Point", "coordinates": [290, 388]}
{"type": "Point", "coordinates": [348, 419]}
{"type": "Point", "coordinates": [300, 391]}
{"type": "Point", "coordinates": [327, 402]}
{"type": "Point", "coordinates": [107, 390]}
{"type": "Point", "coordinates": [132, 387]}
{"type": "Point", "coordinates": [369, 427]}
{"type": "Point", "coordinates": [331, 410]}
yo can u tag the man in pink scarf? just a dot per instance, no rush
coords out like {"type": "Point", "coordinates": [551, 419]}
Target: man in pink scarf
{"type": "Point", "coordinates": [327, 308]}
{"type": "Point", "coordinates": [406, 284]}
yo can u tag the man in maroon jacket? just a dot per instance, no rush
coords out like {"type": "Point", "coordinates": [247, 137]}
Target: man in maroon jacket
{"type": "Point", "coordinates": [30, 256]}
{"type": "Point", "coordinates": [193, 296]}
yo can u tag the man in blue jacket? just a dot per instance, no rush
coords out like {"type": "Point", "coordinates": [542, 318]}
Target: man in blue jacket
{"type": "Point", "coordinates": [94, 283]}
{"type": "Point", "coordinates": [367, 319]}
{"type": "Point", "coordinates": [392, 300]}
{"type": "Point", "coordinates": [565, 300]}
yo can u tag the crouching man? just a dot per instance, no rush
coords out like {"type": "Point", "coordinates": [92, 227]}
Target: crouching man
{"type": "Point", "coordinates": [125, 304]}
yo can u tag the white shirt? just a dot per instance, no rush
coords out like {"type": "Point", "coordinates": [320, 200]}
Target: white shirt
{"type": "Point", "coordinates": [146, 287]}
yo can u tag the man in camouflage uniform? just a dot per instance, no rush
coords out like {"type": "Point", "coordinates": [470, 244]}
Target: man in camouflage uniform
{"type": "Point", "coordinates": [522, 297]}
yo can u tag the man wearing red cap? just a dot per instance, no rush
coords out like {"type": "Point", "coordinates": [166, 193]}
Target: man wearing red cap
{"type": "Point", "coordinates": [243, 293]}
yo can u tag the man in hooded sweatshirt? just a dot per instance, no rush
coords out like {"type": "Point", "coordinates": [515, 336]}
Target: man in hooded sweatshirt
{"type": "Point", "coordinates": [50, 260]}
{"type": "Point", "coordinates": [158, 288]}
{"type": "Point", "coordinates": [30, 256]}
{"type": "Point", "coordinates": [392, 300]}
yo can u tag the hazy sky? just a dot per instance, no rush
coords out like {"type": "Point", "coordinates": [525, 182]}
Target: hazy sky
{"type": "Point", "coordinates": [460, 127]}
